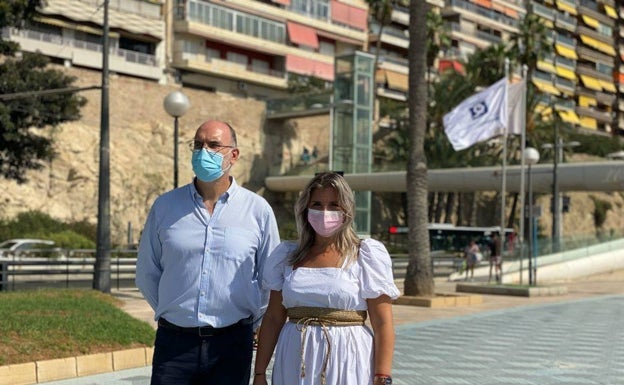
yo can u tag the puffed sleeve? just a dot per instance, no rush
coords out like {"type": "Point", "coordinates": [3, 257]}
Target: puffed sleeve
{"type": "Point", "coordinates": [376, 270]}
{"type": "Point", "coordinates": [273, 274]}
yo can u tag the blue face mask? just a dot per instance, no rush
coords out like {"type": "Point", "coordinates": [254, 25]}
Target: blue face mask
{"type": "Point", "coordinates": [207, 165]}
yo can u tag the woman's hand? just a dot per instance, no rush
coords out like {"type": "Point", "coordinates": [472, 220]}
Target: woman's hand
{"type": "Point", "coordinates": [260, 379]}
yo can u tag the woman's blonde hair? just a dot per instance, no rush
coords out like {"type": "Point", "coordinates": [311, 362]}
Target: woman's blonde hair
{"type": "Point", "coordinates": [346, 240]}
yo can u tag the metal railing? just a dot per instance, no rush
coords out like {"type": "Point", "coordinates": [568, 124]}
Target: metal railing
{"type": "Point", "coordinates": [64, 268]}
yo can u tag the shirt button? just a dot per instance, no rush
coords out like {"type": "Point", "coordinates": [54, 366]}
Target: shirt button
{"type": "Point", "coordinates": [203, 293]}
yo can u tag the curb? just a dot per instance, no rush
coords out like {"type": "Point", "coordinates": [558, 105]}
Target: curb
{"type": "Point", "coordinates": [72, 367]}
{"type": "Point", "coordinates": [536, 291]}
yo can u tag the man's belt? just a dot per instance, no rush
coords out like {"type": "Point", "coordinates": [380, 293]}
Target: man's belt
{"type": "Point", "coordinates": [203, 331]}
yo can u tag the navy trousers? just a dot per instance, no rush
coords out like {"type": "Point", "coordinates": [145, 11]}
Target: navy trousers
{"type": "Point", "coordinates": [183, 358]}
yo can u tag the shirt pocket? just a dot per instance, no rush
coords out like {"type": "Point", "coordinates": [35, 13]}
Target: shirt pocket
{"type": "Point", "coordinates": [240, 245]}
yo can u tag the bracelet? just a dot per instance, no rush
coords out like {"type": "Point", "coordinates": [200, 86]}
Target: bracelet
{"type": "Point", "coordinates": [260, 374]}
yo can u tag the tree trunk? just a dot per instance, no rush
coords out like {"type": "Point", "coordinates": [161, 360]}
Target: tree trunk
{"type": "Point", "coordinates": [512, 214]}
{"type": "Point", "coordinates": [472, 218]}
{"type": "Point", "coordinates": [419, 276]}
{"type": "Point", "coordinates": [430, 206]}
{"type": "Point", "coordinates": [438, 208]}
{"type": "Point", "coordinates": [448, 211]}
{"type": "Point", "coordinates": [460, 209]}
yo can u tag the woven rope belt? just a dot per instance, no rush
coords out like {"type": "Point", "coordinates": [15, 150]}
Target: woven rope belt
{"type": "Point", "coordinates": [319, 316]}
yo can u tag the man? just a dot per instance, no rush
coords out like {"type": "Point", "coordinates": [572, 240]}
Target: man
{"type": "Point", "coordinates": [470, 253]}
{"type": "Point", "coordinates": [496, 258]}
{"type": "Point", "coordinates": [199, 266]}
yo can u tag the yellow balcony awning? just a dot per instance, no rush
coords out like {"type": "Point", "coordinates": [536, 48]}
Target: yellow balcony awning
{"type": "Point", "coordinates": [606, 48]}
{"type": "Point", "coordinates": [546, 66]}
{"type": "Point", "coordinates": [543, 109]}
{"type": "Point", "coordinates": [589, 123]}
{"type": "Point", "coordinates": [569, 117]}
{"type": "Point", "coordinates": [562, 6]}
{"type": "Point", "coordinates": [591, 83]}
{"type": "Point", "coordinates": [565, 73]}
{"type": "Point", "coordinates": [586, 101]}
{"type": "Point", "coordinates": [591, 21]}
{"type": "Point", "coordinates": [546, 87]}
{"type": "Point", "coordinates": [597, 44]}
{"type": "Point", "coordinates": [397, 81]}
{"type": "Point", "coordinates": [608, 86]}
{"type": "Point", "coordinates": [610, 11]}
{"type": "Point", "coordinates": [569, 53]}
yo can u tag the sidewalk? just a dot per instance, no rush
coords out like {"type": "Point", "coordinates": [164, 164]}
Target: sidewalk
{"type": "Point", "coordinates": [570, 339]}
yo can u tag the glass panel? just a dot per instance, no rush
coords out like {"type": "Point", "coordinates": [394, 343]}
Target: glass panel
{"type": "Point", "coordinates": [363, 90]}
{"type": "Point", "coordinates": [363, 128]}
{"type": "Point", "coordinates": [362, 160]}
{"type": "Point", "coordinates": [343, 160]}
{"type": "Point", "coordinates": [343, 129]}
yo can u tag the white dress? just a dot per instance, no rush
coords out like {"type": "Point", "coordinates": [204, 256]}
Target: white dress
{"type": "Point", "coordinates": [347, 288]}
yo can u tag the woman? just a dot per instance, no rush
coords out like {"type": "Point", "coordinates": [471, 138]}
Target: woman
{"type": "Point", "coordinates": [326, 284]}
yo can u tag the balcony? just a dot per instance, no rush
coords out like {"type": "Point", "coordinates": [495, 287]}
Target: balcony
{"type": "Point", "coordinates": [488, 14]}
{"type": "Point", "coordinates": [545, 12]}
{"type": "Point", "coordinates": [566, 22]}
{"type": "Point", "coordinates": [604, 117]}
{"type": "Point", "coordinates": [228, 69]}
{"type": "Point", "coordinates": [391, 36]}
{"type": "Point", "coordinates": [86, 54]}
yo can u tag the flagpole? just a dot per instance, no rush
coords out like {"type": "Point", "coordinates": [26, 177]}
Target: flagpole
{"type": "Point", "coordinates": [522, 173]}
{"type": "Point", "coordinates": [504, 175]}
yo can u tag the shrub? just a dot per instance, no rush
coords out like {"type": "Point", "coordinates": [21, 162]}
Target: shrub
{"type": "Point", "coordinates": [35, 224]}
{"type": "Point", "coordinates": [600, 211]}
{"type": "Point", "coordinates": [68, 239]}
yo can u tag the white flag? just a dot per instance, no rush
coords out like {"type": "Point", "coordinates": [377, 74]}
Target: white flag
{"type": "Point", "coordinates": [516, 104]}
{"type": "Point", "coordinates": [478, 118]}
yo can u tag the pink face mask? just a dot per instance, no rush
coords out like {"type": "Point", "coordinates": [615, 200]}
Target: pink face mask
{"type": "Point", "coordinates": [325, 223]}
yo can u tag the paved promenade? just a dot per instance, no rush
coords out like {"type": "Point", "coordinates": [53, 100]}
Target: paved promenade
{"type": "Point", "coordinates": [573, 339]}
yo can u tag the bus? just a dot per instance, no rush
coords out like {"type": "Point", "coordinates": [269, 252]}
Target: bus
{"type": "Point", "coordinates": [446, 237]}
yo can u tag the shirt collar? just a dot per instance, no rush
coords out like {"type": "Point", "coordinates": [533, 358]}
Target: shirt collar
{"type": "Point", "coordinates": [224, 197]}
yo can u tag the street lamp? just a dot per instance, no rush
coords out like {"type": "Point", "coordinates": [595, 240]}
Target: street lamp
{"type": "Point", "coordinates": [558, 146]}
{"type": "Point", "coordinates": [531, 157]}
{"type": "Point", "coordinates": [176, 104]}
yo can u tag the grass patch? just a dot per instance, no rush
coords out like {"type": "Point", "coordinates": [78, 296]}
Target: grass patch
{"type": "Point", "coordinates": [58, 323]}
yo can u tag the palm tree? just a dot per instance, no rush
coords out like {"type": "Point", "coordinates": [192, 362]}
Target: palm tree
{"type": "Point", "coordinates": [381, 12]}
{"type": "Point", "coordinates": [531, 44]}
{"type": "Point", "coordinates": [419, 276]}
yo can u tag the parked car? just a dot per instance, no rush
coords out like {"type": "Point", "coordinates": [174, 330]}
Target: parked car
{"type": "Point", "coordinates": [23, 247]}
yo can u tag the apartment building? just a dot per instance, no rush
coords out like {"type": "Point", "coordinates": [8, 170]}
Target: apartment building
{"type": "Point", "coordinates": [70, 32]}
{"type": "Point", "coordinates": [555, 75]}
{"type": "Point", "coordinates": [237, 46]}
{"type": "Point", "coordinates": [392, 46]}
{"type": "Point", "coordinates": [580, 73]}
{"type": "Point", "coordinates": [596, 92]}
{"type": "Point", "coordinates": [250, 46]}
{"type": "Point", "coordinates": [476, 24]}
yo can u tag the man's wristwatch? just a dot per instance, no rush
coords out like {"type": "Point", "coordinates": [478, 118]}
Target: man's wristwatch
{"type": "Point", "coordinates": [383, 380]}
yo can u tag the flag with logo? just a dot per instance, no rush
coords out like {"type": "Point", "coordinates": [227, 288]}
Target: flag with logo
{"type": "Point", "coordinates": [478, 118]}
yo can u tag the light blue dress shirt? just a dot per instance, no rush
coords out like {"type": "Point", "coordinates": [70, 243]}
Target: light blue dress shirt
{"type": "Point", "coordinates": [197, 269]}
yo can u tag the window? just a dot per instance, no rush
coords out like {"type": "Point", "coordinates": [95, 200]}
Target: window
{"type": "Point", "coordinates": [237, 58]}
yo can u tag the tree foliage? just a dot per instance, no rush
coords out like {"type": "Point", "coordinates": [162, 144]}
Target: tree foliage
{"type": "Point", "coordinates": [22, 146]}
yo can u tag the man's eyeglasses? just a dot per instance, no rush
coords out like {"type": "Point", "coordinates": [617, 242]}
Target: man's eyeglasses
{"type": "Point", "coordinates": [196, 145]}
